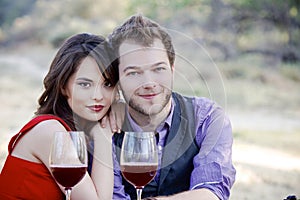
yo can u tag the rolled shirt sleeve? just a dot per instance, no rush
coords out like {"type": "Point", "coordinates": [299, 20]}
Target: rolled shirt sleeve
{"type": "Point", "coordinates": [119, 191]}
{"type": "Point", "coordinates": [213, 167]}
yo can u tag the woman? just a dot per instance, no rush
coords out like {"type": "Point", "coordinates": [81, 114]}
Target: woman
{"type": "Point", "coordinates": [79, 90]}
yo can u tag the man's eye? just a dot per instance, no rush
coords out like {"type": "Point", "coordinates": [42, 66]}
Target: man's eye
{"type": "Point", "coordinates": [158, 69]}
{"type": "Point", "coordinates": [132, 73]}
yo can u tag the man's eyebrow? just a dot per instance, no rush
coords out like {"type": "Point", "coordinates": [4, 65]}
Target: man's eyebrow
{"type": "Point", "coordinates": [132, 67]}
{"type": "Point", "coordinates": [159, 63]}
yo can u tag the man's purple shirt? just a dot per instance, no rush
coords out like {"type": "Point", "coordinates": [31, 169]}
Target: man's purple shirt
{"type": "Point", "coordinates": [213, 167]}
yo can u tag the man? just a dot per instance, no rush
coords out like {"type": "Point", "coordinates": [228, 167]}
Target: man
{"type": "Point", "coordinates": [195, 136]}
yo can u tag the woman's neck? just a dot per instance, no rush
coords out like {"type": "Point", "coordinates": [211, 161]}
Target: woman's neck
{"type": "Point", "coordinates": [83, 125]}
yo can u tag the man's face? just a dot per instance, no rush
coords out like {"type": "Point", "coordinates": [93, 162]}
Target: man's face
{"type": "Point", "coordinates": [146, 77]}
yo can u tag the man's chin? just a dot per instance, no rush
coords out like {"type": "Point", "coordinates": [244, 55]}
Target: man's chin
{"type": "Point", "coordinates": [155, 109]}
{"type": "Point", "coordinates": [152, 111]}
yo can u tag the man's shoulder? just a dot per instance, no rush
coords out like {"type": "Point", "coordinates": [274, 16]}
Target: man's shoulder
{"type": "Point", "coordinates": [203, 107]}
{"type": "Point", "coordinates": [197, 101]}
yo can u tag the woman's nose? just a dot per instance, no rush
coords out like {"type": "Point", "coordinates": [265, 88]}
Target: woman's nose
{"type": "Point", "coordinates": [97, 94]}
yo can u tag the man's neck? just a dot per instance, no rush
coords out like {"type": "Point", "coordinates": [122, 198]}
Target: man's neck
{"type": "Point", "coordinates": [150, 122]}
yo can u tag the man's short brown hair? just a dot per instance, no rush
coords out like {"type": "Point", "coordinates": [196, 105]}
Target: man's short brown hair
{"type": "Point", "coordinates": [143, 31]}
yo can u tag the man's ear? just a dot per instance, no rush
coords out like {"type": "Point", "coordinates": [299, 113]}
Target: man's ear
{"type": "Point", "coordinates": [173, 68]}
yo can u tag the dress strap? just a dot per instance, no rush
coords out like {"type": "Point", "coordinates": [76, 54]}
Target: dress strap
{"type": "Point", "coordinates": [30, 125]}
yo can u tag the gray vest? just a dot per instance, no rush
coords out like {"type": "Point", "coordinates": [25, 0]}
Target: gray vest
{"type": "Point", "coordinates": [179, 151]}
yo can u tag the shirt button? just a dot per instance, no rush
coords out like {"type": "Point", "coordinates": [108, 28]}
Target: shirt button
{"type": "Point", "coordinates": [159, 147]}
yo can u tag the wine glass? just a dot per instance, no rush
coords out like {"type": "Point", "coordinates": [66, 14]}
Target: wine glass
{"type": "Point", "coordinates": [68, 159]}
{"type": "Point", "coordinates": [139, 159]}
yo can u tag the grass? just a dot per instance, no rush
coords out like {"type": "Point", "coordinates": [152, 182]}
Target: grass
{"type": "Point", "coordinates": [285, 142]}
{"type": "Point", "coordinates": [262, 101]}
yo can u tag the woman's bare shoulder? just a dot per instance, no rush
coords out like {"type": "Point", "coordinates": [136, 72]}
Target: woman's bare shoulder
{"type": "Point", "coordinates": [48, 127]}
{"type": "Point", "coordinates": [35, 144]}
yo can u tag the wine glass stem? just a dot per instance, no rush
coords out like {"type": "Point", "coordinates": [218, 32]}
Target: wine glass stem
{"type": "Point", "coordinates": [139, 193]}
{"type": "Point", "coordinates": [68, 193]}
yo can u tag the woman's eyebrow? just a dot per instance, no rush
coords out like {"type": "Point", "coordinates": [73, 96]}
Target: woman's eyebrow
{"type": "Point", "coordinates": [83, 79]}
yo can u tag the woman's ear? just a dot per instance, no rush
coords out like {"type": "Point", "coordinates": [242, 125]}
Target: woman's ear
{"type": "Point", "coordinates": [64, 92]}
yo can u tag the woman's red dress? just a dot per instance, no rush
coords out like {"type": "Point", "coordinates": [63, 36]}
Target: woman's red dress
{"type": "Point", "coordinates": [22, 179]}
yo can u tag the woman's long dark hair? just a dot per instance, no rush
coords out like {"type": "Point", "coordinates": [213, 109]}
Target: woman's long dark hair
{"type": "Point", "coordinates": [65, 63]}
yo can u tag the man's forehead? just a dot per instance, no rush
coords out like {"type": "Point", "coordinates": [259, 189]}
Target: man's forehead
{"type": "Point", "coordinates": [130, 46]}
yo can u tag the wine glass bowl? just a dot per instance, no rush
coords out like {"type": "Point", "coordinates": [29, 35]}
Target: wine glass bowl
{"type": "Point", "coordinates": [68, 158]}
{"type": "Point", "coordinates": [139, 159]}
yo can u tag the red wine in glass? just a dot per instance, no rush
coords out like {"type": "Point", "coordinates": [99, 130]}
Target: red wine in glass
{"type": "Point", "coordinates": [139, 159]}
{"type": "Point", "coordinates": [68, 159]}
{"type": "Point", "coordinates": [68, 176]}
{"type": "Point", "coordinates": [139, 174]}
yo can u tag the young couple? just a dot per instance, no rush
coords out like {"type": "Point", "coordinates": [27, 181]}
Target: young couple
{"type": "Point", "coordinates": [195, 136]}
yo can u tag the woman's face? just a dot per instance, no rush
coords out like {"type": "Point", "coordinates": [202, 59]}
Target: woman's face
{"type": "Point", "coordinates": [88, 94]}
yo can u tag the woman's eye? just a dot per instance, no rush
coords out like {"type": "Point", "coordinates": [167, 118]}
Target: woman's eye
{"type": "Point", "coordinates": [107, 84]}
{"type": "Point", "coordinates": [84, 84]}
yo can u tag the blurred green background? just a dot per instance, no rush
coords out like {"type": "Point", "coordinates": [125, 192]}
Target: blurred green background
{"type": "Point", "coordinates": [244, 54]}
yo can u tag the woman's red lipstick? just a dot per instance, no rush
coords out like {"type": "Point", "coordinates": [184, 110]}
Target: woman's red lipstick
{"type": "Point", "coordinates": [96, 108]}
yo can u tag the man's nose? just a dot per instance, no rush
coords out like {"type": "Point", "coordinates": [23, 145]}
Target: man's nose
{"type": "Point", "coordinates": [148, 81]}
{"type": "Point", "coordinates": [149, 85]}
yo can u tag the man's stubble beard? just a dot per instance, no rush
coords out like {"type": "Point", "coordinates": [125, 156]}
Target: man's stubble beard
{"type": "Point", "coordinates": [137, 107]}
